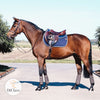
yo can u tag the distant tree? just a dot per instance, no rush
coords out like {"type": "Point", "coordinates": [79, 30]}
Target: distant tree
{"type": "Point", "coordinates": [97, 35]}
{"type": "Point", "coordinates": [6, 44]}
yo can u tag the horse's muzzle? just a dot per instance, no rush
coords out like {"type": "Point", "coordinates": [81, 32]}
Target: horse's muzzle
{"type": "Point", "coordinates": [10, 35]}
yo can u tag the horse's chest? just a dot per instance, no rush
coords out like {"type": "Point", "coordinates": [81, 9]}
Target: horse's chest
{"type": "Point", "coordinates": [41, 51]}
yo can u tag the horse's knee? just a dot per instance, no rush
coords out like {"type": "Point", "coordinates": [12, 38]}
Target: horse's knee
{"type": "Point", "coordinates": [40, 71]}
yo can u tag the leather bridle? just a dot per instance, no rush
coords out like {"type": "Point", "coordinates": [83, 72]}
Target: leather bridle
{"type": "Point", "coordinates": [16, 29]}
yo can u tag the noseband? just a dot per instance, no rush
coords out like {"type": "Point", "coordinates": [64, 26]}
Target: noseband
{"type": "Point", "coordinates": [15, 29]}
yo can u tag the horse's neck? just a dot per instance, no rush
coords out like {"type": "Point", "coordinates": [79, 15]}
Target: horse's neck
{"type": "Point", "coordinates": [32, 34]}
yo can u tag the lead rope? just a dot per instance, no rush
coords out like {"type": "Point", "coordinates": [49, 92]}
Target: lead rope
{"type": "Point", "coordinates": [21, 49]}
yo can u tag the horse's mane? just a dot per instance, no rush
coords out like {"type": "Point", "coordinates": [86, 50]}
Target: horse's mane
{"type": "Point", "coordinates": [34, 25]}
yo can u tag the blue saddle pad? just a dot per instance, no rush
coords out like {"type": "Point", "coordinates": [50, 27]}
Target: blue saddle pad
{"type": "Point", "coordinates": [62, 41]}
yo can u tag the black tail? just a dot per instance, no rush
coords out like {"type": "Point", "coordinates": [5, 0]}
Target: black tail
{"type": "Point", "coordinates": [86, 73]}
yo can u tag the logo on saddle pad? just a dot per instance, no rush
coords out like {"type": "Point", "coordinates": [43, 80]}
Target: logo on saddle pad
{"type": "Point", "coordinates": [55, 39]}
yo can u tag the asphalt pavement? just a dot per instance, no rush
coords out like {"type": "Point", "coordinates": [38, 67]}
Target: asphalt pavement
{"type": "Point", "coordinates": [61, 77]}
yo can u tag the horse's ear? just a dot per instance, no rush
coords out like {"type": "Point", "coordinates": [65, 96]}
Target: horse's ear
{"type": "Point", "coordinates": [16, 19]}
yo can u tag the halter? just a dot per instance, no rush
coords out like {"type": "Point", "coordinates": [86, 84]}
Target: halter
{"type": "Point", "coordinates": [15, 29]}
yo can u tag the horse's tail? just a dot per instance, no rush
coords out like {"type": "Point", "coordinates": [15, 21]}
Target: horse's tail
{"type": "Point", "coordinates": [86, 73]}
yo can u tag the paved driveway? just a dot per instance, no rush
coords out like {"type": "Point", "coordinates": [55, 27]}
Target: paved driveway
{"type": "Point", "coordinates": [61, 76]}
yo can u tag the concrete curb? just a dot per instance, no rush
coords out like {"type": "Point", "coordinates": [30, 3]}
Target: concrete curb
{"type": "Point", "coordinates": [2, 74]}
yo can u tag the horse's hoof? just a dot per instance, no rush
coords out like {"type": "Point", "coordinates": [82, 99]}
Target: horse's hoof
{"type": "Point", "coordinates": [45, 87]}
{"type": "Point", "coordinates": [38, 89]}
{"type": "Point", "coordinates": [91, 88]}
{"type": "Point", "coordinates": [74, 87]}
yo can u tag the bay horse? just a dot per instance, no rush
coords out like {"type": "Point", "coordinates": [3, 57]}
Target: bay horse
{"type": "Point", "coordinates": [78, 46]}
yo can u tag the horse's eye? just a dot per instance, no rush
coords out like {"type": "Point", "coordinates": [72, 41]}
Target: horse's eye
{"type": "Point", "coordinates": [14, 26]}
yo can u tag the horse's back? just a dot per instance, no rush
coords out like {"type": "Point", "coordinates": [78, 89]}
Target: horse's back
{"type": "Point", "coordinates": [79, 44]}
{"type": "Point", "coordinates": [78, 40]}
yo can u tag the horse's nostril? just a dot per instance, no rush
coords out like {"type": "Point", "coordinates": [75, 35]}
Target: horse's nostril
{"type": "Point", "coordinates": [8, 37]}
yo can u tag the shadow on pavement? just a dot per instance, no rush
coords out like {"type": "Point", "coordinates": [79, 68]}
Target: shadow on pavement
{"type": "Point", "coordinates": [56, 84]}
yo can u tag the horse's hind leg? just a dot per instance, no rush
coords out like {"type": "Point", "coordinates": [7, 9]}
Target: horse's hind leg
{"type": "Point", "coordinates": [88, 69]}
{"type": "Point", "coordinates": [79, 71]}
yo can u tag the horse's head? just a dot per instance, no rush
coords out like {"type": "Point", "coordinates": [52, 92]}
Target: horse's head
{"type": "Point", "coordinates": [15, 29]}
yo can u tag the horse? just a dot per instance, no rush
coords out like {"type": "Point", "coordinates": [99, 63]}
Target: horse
{"type": "Point", "coordinates": [78, 46]}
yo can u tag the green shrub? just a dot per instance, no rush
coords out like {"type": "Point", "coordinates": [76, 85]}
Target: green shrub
{"type": "Point", "coordinates": [6, 44]}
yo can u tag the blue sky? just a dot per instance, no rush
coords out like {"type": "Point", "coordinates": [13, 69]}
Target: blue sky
{"type": "Point", "coordinates": [76, 16]}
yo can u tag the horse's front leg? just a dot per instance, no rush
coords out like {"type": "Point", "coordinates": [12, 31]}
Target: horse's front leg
{"type": "Point", "coordinates": [42, 70]}
{"type": "Point", "coordinates": [40, 65]}
{"type": "Point", "coordinates": [45, 75]}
